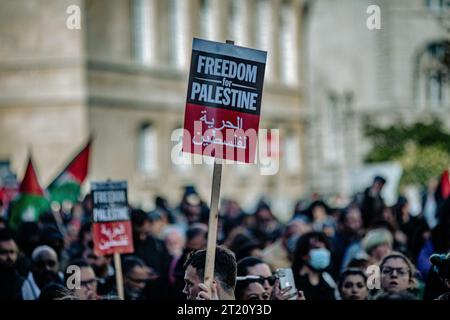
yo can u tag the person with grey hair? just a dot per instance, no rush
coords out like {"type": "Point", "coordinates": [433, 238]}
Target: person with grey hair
{"type": "Point", "coordinates": [44, 270]}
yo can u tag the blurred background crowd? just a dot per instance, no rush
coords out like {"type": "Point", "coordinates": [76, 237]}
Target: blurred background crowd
{"type": "Point", "coordinates": [329, 249]}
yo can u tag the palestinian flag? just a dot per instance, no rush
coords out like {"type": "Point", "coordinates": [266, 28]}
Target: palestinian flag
{"type": "Point", "coordinates": [67, 185]}
{"type": "Point", "coordinates": [31, 201]}
{"type": "Point", "coordinates": [445, 185]}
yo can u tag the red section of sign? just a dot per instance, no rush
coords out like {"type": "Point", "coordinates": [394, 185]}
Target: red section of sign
{"type": "Point", "coordinates": [112, 237]}
{"type": "Point", "coordinates": [220, 133]}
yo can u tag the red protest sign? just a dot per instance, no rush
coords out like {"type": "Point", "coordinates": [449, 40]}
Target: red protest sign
{"type": "Point", "coordinates": [223, 101]}
{"type": "Point", "coordinates": [112, 231]}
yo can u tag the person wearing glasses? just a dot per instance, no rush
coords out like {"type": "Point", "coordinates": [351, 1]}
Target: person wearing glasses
{"type": "Point", "coordinates": [252, 266]}
{"type": "Point", "coordinates": [44, 270]}
{"type": "Point", "coordinates": [259, 271]}
{"type": "Point", "coordinates": [397, 274]}
{"type": "Point", "coordinates": [101, 264]}
{"type": "Point", "coordinates": [87, 289]}
{"type": "Point", "coordinates": [251, 288]}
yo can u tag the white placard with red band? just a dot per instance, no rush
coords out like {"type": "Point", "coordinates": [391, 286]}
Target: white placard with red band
{"type": "Point", "coordinates": [223, 100]}
{"type": "Point", "coordinates": [112, 231]}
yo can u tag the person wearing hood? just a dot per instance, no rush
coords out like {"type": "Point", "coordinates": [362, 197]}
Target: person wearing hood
{"type": "Point", "coordinates": [312, 258]}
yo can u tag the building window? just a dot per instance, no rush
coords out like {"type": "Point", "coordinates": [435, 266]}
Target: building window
{"type": "Point", "coordinates": [432, 82]}
{"type": "Point", "coordinates": [147, 149]}
{"type": "Point", "coordinates": [144, 49]}
{"type": "Point", "coordinates": [263, 29]}
{"type": "Point", "coordinates": [178, 22]}
{"type": "Point", "coordinates": [330, 141]}
{"type": "Point", "coordinates": [236, 28]}
{"type": "Point", "coordinates": [437, 7]}
{"type": "Point", "coordinates": [206, 20]}
{"type": "Point", "coordinates": [292, 152]}
{"type": "Point", "coordinates": [288, 52]}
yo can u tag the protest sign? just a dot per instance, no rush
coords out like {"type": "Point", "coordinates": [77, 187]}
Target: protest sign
{"type": "Point", "coordinates": [112, 233]}
{"type": "Point", "coordinates": [223, 101]}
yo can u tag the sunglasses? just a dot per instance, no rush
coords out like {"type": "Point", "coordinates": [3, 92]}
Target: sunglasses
{"type": "Point", "coordinates": [260, 279]}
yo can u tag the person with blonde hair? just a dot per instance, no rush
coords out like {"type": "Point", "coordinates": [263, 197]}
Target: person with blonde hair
{"type": "Point", "coordinates": [397, 275]}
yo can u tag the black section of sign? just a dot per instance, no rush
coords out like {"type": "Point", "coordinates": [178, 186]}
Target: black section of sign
{"type": "Point", "coordinates": [241, 90]}
{"type": "Point", "coordinates": [110, 204]}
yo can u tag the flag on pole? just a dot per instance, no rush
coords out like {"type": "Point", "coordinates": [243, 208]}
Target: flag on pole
{"type": "Point", "coordinates": [30, 202]}
{"type": "Point", "coordinates": [67, 185]}
{"type": "Point", "coordinates": [445, 185]}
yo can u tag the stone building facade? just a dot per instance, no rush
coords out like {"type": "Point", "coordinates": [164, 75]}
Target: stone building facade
{"type": "Point", "coordinates": [390, 74]}
{"type": "Point", "coordinates": [122, 78]}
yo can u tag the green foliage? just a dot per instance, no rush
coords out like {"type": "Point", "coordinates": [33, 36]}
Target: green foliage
{"type": "Point", "coordinates": [423, 148]}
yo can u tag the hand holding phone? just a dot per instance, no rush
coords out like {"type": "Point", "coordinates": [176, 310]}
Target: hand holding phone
{"type": "Point", "coordinates": [286, 280]}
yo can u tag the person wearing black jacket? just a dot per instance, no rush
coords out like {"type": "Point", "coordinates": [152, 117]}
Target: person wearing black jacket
{"type": "Point", "coordinates": [151, 250]}
{"type": "Point", "coordinates": [195, 240]}
{"type": "Point", "coordinates": [10, 280]}
{"type": "Point", "coordinates": [372, 202]}
{"type": "Point", "coordinates": [311, 260]}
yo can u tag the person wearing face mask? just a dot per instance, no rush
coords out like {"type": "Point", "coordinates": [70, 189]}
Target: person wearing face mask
{"type": "Point", "coordinates": [397, 275]}
{"type": "Point", "coordinates": [311, 258]}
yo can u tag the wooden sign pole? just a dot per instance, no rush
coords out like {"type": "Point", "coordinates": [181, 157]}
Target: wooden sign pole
{"type": "Point", "coordinates": [213, 220]}
{"type": "Point", "coordinates": [119, 278]}
{"type": "Point", "coordinates": [212, 225]}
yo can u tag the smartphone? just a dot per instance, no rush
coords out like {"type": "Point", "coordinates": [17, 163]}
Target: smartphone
{"type": "Point", "coordinates": [286, 278]}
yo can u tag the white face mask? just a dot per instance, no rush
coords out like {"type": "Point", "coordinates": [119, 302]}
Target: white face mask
{"type": "Point", "coordinates": [319, 259]}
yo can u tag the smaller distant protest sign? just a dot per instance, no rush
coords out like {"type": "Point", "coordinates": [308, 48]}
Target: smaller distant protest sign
{"type": "Point", "coordinates": [112, 231]}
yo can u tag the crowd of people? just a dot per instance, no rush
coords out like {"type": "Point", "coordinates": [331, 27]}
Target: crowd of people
{"type": "Point", "coordinates": [363, 250]}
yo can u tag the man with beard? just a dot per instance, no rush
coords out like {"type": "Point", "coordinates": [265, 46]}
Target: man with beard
{"type": "Point", "coordinates": [44, 270]}
{"type": "Point", "coordinates": [10, 280]}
